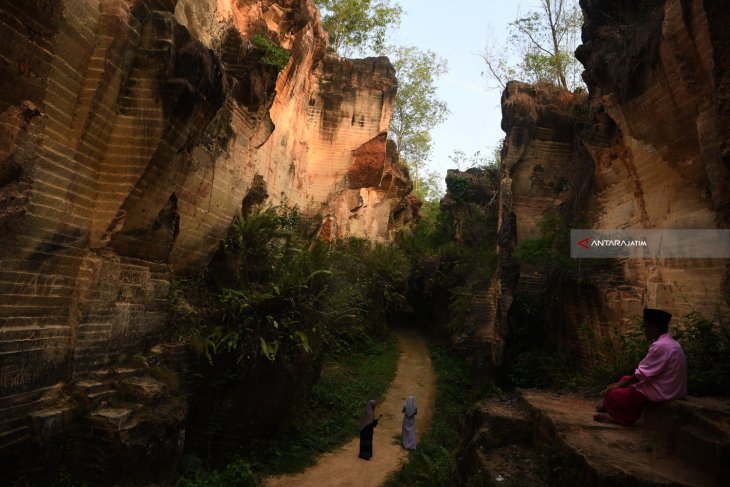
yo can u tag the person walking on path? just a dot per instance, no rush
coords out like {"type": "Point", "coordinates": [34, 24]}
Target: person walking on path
{"type": "Point", "coordinates": [409, 424]}
{"type": "Point", "coordinates": [367, 424]}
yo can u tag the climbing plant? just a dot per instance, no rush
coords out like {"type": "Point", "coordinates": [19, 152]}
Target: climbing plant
{"type": "Point", "coordinates": [274, 55]}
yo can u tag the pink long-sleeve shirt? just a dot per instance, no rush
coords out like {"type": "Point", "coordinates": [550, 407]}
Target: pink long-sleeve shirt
{"type": "Point", "coordinates": [663, 372]}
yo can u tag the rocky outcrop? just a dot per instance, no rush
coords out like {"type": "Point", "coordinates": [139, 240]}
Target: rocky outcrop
{"type": "Point", "coordinates": [544, 171]}
{"type": "Point", "coordinates": [543, 438]}
{"type": "Point", "coordinates": [471, 201]}
{"type": "Point", "coordinates": [647, 149]}
{"type": "Point", "coordinates": [132, 133]}
{"type": "Point", "coordinates": [662, 83]}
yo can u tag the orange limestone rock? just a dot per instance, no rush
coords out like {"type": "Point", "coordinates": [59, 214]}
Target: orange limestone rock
{"type": "Point", "coordinates": [648, 149]}
{"type": "Point", "coordinates": [132, 131]}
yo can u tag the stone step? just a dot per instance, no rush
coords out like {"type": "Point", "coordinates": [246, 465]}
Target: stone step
{"type": "Point", "coordinates": [101, 397]}
{"type": "Point", "coordinates": [95, 327]}
{"type": "Point", "coordinates": [88, 386]}
{"type": "Point", "coordinates": [93, 338]}
{"type": "Point", "coordinates": [110, 419]}
{"type": "Point", "coordinates": [91, 363]}
{"type": "Point", "coordinates": [95, 393]}
{"type": "Point", "coordinates": [92, 355]}
{"type": "Point", "coordinates": [51, 421]}
{"type": "Point", "coordinates": [37, 332]}
{"type": "Point", "coordinates": [20, 405]}
{"type": "Point", "coordinates": [89, 339]}
{"type": "Point", "coordinates": [609, 454]}
{"type": "Point", "coordinates": [17, 435]}
{"type": "Point", "coordinates": [10, 424]}
{"type": "Point", "coordinates": [21, 345]}
{"type": "Point", "coordinates": [708, 451]}
{"type": "Point", "coordinates": [110, 372]}
{"type": "Point", "coordinates": [696, 428]}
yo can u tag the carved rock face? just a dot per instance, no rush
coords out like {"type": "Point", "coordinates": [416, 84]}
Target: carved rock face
{"type": "Point", "coordinates": [650, 153]}
{"type": "Point", "coordinates": [132, 131]}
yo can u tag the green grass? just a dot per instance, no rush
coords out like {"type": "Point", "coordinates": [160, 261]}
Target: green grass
{"type": "Point", "coordinates": [331, 415]}
{"type": "Point", "coordinates": [434, 461]}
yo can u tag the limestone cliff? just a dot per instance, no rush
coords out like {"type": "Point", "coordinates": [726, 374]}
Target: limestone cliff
{"type": "Point", "coordinates": [648, 150]}
{"type": "Point", "coordinates": [665, 161]}
{"type": "Point", "coordinates": [132, 132]}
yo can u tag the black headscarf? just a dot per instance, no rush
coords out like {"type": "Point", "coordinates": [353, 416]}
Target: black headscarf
{"type": "Point", "coordinates": [368, 414]}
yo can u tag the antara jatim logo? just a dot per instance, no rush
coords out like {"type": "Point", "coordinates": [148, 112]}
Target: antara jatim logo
{"type": "Point", "coordinates": [587, 243]}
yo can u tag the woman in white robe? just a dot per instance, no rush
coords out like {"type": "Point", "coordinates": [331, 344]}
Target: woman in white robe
{"type": "Point", "coordinates": [409, 424]}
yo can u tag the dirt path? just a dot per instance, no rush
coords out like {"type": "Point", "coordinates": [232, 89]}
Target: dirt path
{"type": "Point", "coordinates": [342, 468]}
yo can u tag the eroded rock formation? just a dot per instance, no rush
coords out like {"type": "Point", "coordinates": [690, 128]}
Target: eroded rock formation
{"type": "Point", "coordinates": [664, 161]}
{"type": "Point", "coordinates": [132, 133]}
{"type": "Point", "coordinates": [648, 149]}
{"type": "Point", "coordinates": [539, 438]}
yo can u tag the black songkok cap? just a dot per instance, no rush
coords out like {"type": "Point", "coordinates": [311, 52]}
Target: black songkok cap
{"type": "Point", "coordinates": [657, 317]}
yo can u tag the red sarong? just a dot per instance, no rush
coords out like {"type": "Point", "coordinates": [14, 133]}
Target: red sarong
{"type": "Point", "coordinates": [624, 404]}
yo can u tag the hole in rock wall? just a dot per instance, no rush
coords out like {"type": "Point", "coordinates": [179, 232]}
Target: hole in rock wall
{"type": "Point", "coordinates": [10, 172]}
{"type": "Point", "coordinates": [166, 226]}
{"type": "Point", "coordinates": [256, 195]}
{"type": "Point", "coordinates": [154, 241]}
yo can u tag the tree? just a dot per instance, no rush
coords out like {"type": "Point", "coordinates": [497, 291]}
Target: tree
{"type": "Point", "coordinates": [429, 185]}
{"type": "Point", "coordinates": [358, 26]}
{"type": "Point", "coordinates": [545, 41]}
{"type": "Point", "coordinates": [416, 109]}
{"type": "Point", "coordinates": [462, 161]}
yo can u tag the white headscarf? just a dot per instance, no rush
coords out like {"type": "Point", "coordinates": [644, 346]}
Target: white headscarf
{"type": "Point", "coordinates": [410, 407]}
{"type": "Point", "coordinates": [368, 414]}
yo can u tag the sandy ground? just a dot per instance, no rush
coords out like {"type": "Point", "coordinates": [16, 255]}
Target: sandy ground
{"type": "Point", "coordinates": [414, 377]}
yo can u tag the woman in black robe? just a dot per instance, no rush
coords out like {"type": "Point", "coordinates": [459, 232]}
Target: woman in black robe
{"type": "Point", "coordinates": [367, 424]}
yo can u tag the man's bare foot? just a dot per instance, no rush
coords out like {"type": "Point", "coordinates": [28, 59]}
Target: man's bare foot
{"type": "Point", "coordinates": [600, 407]}
{"type": "Point", "coordinates": [603, 418]}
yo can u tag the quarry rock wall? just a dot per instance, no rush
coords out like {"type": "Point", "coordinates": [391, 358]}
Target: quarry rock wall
{"type": "Point", "coordinates": [132, 132]}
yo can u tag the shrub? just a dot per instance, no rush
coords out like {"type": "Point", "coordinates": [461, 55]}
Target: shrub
{"type": "Point", "coordinates": [274, 56]}
{"type": "Point", "coordinates": [460, 187]}
{"type": "Point", "coordinates": [551, 248]}
{"type": "Point", "coordinates": [545, 369]}
{"type": "Point", "coordinates": [236, 474]}
{"type": "Point", "coordinates": [615, 355]}
{"type": "Point", "coordinates": [706, 344]}
{"type": "Point", "coordinates": [277, 294]}
{"type": "Point", "coordinates": [272, 306]}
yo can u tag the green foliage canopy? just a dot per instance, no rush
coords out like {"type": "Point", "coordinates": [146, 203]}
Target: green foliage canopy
{"type": "Point", "coordinates": [417, 109]}
{"type": "Point", "coordinates": [543, 41]}
{"type": "Point", "coordinates": [358, 26]}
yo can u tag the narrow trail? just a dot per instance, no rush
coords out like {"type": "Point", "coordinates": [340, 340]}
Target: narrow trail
{"type": "Point", "coordinates": [342, 468]}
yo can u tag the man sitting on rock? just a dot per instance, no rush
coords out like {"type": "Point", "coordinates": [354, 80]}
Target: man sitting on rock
{"type": "Point", "coordinates": [661, 375]}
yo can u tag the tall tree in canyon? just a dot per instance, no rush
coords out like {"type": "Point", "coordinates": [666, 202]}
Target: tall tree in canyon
{"type": "Point", "coordinates": [358, 26]}
{"type": "Point", "coordinates": [416, 110]}
{"type": "Point", "coordinates": [544, 41]}
{"type": "Point", "coordinates": [361, 27]}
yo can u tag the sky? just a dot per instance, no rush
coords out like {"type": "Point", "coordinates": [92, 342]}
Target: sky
{"type": "Point", "coordinates": [455, 31]}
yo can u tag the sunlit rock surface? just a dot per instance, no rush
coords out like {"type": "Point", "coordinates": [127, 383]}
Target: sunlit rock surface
{"type": "Point", "coordinates": [132, 132]}
{"type": "Point", "coordinates": [649, 149]}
